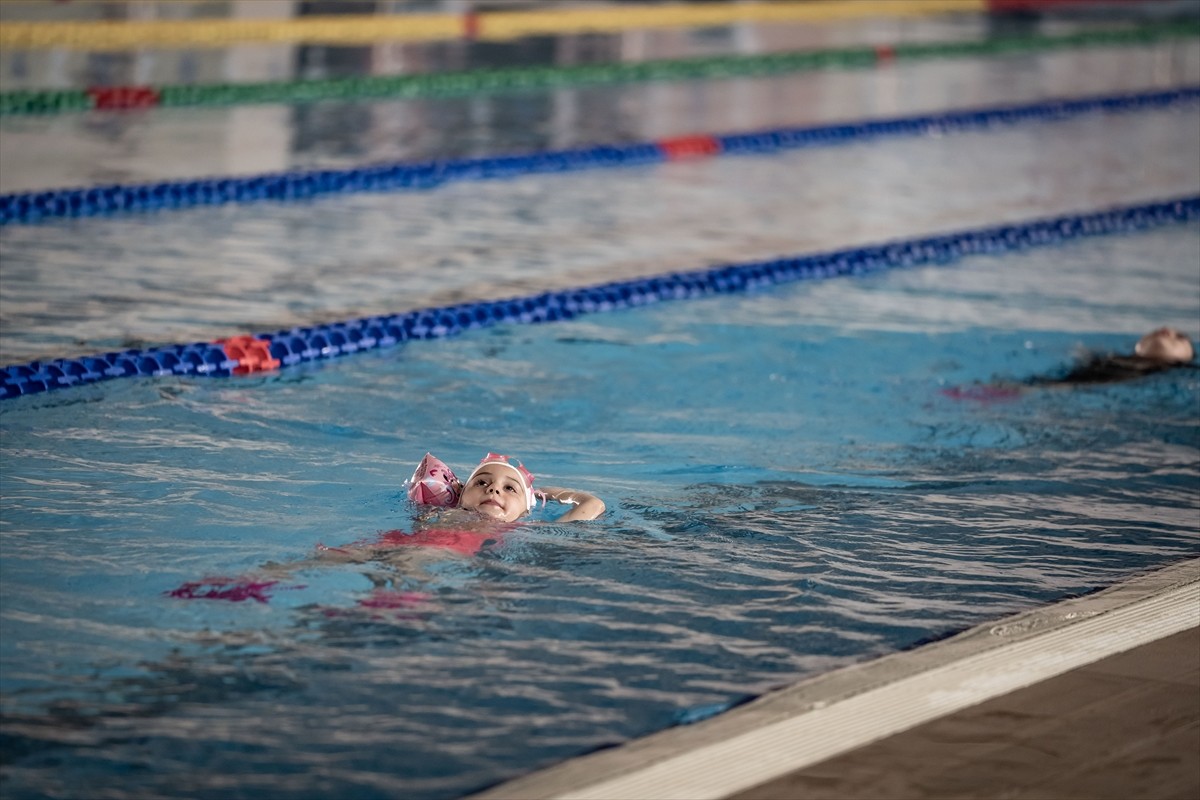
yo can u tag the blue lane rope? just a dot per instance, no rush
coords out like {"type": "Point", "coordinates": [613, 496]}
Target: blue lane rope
{"type": "Point", "coordinates": [321, 342]}
{"type": "Point", "coordinates": [34, 207]}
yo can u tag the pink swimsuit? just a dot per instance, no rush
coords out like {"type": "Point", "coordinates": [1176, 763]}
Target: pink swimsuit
{"type": "Point", "coordinates": [465, 542]}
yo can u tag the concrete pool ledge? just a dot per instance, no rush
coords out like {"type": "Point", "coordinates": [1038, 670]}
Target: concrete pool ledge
{"type": "Point", "coordinates": [833, 714]}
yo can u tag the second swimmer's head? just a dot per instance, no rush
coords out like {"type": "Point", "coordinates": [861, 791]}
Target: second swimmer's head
{"type": "Point", "coordinates": [1165, 345]}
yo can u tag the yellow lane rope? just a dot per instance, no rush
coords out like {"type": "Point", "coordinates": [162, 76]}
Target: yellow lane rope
{"type": "Point", "coordinates": [508, 25]}
{"type": "Point", "coordinates": [352, 30]}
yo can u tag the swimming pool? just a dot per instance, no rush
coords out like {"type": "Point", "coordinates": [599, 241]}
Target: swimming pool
{"type": "Point", "coordinates": [790, 489]}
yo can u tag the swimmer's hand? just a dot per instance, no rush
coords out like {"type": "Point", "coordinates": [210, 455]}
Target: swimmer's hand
{"type": "Point", "coordinates": [586, 506]}
{"type": "Point", "coordinates": [343, 555]}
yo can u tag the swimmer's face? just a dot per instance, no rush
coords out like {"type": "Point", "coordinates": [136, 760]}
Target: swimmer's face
{"type": "Point", "coordinates": [1166, 345]}
{"type": "Point", "coordinates": [497, 492]}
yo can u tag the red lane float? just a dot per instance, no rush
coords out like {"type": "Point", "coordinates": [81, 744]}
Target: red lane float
{"type": "Point", "coordinates": [471, 25]}
{"type": "Point", "coordinates": [111, 98]}
{"type": "Point", "coordinates": [252, 354]}
{"type": "Point", "coordinates": [684, 147]}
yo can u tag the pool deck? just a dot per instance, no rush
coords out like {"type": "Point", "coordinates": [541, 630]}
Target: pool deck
{"type": "Point", "coordinates": [1093, 697]}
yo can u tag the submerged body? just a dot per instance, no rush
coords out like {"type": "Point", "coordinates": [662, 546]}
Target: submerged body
{"type": "Point", "coordinates": [1107, 369]}
{"type": "Point", "coordinates": [1158, 351]}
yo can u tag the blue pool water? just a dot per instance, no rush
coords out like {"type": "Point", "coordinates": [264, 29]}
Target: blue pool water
{"type": "Point", "coordinates": [789, 491]}
{"type": "Point", "coordinates": [792, 483]}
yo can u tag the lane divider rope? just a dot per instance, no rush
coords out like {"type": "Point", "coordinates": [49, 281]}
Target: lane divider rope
{"type": "Point", "coordinates": [291, 186]}
{"type": "Point", "coordinates": [350, 29]}
{"type": "Point", "coordinates": [514, 79]}
{"type": "Point", "coordinates": [267, 352]}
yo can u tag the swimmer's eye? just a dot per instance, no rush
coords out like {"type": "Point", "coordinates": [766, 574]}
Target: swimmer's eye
{"type": "Point", "coordinates": [510, 488]}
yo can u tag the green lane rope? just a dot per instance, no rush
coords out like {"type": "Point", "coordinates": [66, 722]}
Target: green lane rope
{"type": "Point", "coordinates": [459, 84]}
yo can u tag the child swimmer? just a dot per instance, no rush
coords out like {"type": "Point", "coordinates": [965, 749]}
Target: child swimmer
{"type": "Point", "coordinates": [465, 516]}
{"type": "Point", "coordinates": [495, 489]}
{"type": "Point", "coordinates": [459, 517]}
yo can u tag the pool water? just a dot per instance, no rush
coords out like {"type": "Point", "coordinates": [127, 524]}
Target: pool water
{"type": "Point", "coordinates": [789, 488]}
{"type": "Point", "coordinates": [793, 482]}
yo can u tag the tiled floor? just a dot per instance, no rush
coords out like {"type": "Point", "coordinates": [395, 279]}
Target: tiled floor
{"type": "Point", "coordinates": [1127, 726]}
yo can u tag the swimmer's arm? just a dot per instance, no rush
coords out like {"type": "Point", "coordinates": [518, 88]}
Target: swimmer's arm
{"type": "Point", "coordinates": [585, 506]}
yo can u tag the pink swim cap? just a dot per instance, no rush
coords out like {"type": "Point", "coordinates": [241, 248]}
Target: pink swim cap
{"type": "Point", "coordinates": [433, 483]}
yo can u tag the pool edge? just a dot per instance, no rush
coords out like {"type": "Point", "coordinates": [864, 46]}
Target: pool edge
{"type": "Point", "coordinates": [676, 761]}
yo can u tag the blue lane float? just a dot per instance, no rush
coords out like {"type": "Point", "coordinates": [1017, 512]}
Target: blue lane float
{"type": "Point", "coordinates": [263, 352]}
{"type": "Point", "coordinates": [42, 206]}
